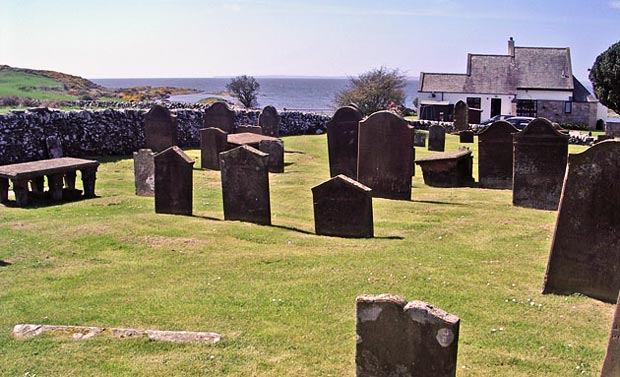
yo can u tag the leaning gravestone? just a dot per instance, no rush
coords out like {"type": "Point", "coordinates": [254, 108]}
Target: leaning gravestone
{"type": "Point", "coordinates": [160, 129]}
{"type": "Point", "coordinates": [495, 155]}
{"type": "Point", "coordinates": [342, 141]}
{"type": "Point", "coordinates": [585, 252]}
{"type": "Point", "coordinates": [269, 121]}
{"type": "Point", "coordinates": [461, 116]}
{"type": "Point", "coordinates": [436, 138]}
{"type": "Point", "coordinates": [275, 150]}
{"type": "Point", "coordinates": [245, 185]}
{"type": "Point", "coordinates": [385, 155]}
{"type": "Point", "coordinates": [213, 141]}
{"type": "Point", "coordinates": [611, 364]}
{"type": "Point", "coordinates": [144, 172]}
{"type": "Point", "coordinates": [539, 164]}
{"type": "Point", "coordinates": [396, 338]}
{"type": "Point", "coordinates": [218, 115]}
{"type": "Point", "coordinates": [447, 169]}
{"type": "Point", "coordinates": [343, 208]}
{"type": "Point", "coordinates": [173, 182]}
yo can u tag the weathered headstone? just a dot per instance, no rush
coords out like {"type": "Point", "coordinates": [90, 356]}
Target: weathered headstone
{"type": "Point", "coordinates": [539, 164]}
{"type": "Point", "coordinates": [396, 338]}
{"type": "Point", "coordinates": [461, 116]}
{"type": "Point", "coordinates": [247, 128]}
{"type": "Point", "coordinates": [173, 182]}
{"type": "Point", "coordinates": [466, 137]}
{"type": "Point", "coordinates": [54, 147]}
{"type": "Point", "coordinates": [447, 169]}
{"type": "Point", "coordinates": [385, 155]}
{"type": "Point", "coordinates": [269, 121]}
{"type": "Point", "coordinates": [419, 139]}
{"type": "Point", "coordinates": [144, 172]}
{"type": "Point", "coordinates": [218, 115]}
{"type": "Point", "coordinates": [436, 138]}
{"type": "Point", "coordinates": [343, 208]}
{"type": "Point", "coordinates": [245, 185]}
{"type": "Point", "coordinates": [495, 155]}
{"type": "Point", "coordinates": [213, 141]}
{"type": "Point", "coordinates": [611, 364]}
{"type": "Point", "coordinates": [342, 132]}
{"type": "Point", "coordinates": [585, 252]}
{"type": "Point", "coordinates": [160, 129]}
{"type": "Point", "coordinates": [275, 150]}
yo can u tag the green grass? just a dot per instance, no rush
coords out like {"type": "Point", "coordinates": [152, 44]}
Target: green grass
{"type": "Point", "coordinates": [22, 84]}
{"type": "Point", "coordinates": [282, 297]}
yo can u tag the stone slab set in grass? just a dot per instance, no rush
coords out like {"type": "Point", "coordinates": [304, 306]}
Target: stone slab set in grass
{"type": "Point", "coordinates": [144, 172]}
{"type": "Point", "coordinates": [160, 129]}
{"type": "Point", "coordinates": [342, 136]}
{"type": "Point", "coordinates": [495, 153]}
{"type": "Point", "coordinates": [173, 182]}
{"type": "Point", "coordinates": [447, 169]}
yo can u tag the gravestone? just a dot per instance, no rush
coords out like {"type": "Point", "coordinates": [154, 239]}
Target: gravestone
{"type": "Point", "coordinates": [342, 131]}
{"type": "Point", "coordinates": [213, 141]}
{"type": "Point", "coordinates": [495, 155]}
{"type": "Point", "coordinates": [269, 121]}
{"type": "Point", "coordinates": [144, 172]}
{"type": "Point", "coordinates": [247, 128]}
{"type": "Point", "coordinates": [218, 115]}
{"type": "Point", "coordinates": [466, 137]}
{"type": "Point", "coordinates": [461, 116]}
{"type": "Point", "coordinates": [447, 169]}
{"type": "Point", "coordinates": [342, 208]}
{"type": "Point", "coordinates": [585, 252]}
{"type": "Point", "coordinates": [275, 150]}
{"type": "Point", "coordinates": [385, 155]}
{"type": "Point", "coordinates": [173, 182]}
{"type": "Point", "coordinates": [160, 129]}
{"type": "Point", "coordinates": [54, 147]}
{"type": "Point", "coordinates": [611, 364]}
{"type": "Point", "coordinates": [436, 138]}
{"type": "Point", "coordinates": [396, 338]}
{"type": "Point", "coordinates": [245, 185]}
{"type": "Point", "coordinates": [419, 139]}
{"type": "Point", "coordinates": [539, 164]}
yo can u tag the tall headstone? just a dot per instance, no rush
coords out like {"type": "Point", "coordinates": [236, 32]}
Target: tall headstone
{"type": "Point", "coordinates": [611, 364]}
{"type": "Point", "coordinates": [385, 155]}
{"type": "Point", "coordinates": [396, 338]}
{"type": "Point", "coordinates": [342, 141]}
{"type": "Point", "coordinates": [585, 252]}
{"type": "Point", "coordinates": [539, 164]}
{"type": "Point", "coordinates": [495, 155]}
{"type": "Point", "coordinates": [213, 141]}
{"type": "Point", "coordinates": [160, 129]}
{"type": "Point", "coordinates": [343, 208]}
{"type": "Point", "coordinates": [218, 115]}
{"type": "Point", "coordinates": [461, 116]}
{"type": "Point", "coordinates": [275, 150]}
{"type": "Point", "coordinates": [269, 121]}
{"type": "Point", "coordinates": [173, 182]}
{"type": "Point", "coordinates": [144, 172]}
{"type": "Point", "coordinates": [245, 185]}
{"type": "Point", "coordinates": [436, 138]}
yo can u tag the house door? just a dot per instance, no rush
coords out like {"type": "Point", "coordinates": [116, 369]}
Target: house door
{"type": "Point", "coordinates": [496, 106]}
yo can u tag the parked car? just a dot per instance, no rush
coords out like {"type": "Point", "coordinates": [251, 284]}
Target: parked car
{"type": "Point", "coordinates": [519, 122]}
{"type": "Point", "coordinates": [495, 119]}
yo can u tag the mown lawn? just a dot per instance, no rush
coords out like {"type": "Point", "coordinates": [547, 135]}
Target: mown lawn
{"type": "Point", "coordinates": [282, 297]}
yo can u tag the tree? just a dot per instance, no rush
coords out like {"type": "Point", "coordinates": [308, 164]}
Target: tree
{"type": "Point", "coordinates": [377, 89]}
{"type": "Point", "coordinates": [245, 89]}
{"type": "Point", "coordinates": [605, 77]}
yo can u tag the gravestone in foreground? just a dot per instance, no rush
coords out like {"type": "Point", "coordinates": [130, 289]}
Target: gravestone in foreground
{"type": "Point", "coordinates": [213, 141]}
{"type": "Point", "coordinates": [160, 129]}
{"type": "Point", "coordinates": [342, 208]}
{"type": "Point", "coordinates": [436, 138]}
{"type": "Point", "coordinates": [342, 141]}
{"type": "Point", "coordinates": [269, 121]}
{"type": "Point", "coordinates": [385, 155]}
{"type": "Point", "coordinates": [245, 185]}
{"type": "Point", "coordinates": [144, 172]}
{"type": "Point", "coordinates": [396, 338]}
{"type": "Point", "coordinates": [495, 155]}
{"type": "Point", "coordinates": [173, 182]}
{"type": "Point", "coordinates": [611, 364]}
{"type": "Point", "coordinates": [461, 116]}
{"type": "Point", "coordinates": [219, 115]}
{"type": "Point", "coordinates": [585, 251]}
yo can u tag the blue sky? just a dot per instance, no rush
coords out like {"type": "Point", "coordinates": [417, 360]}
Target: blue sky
{"type": "Point", "coordinates": [193, 38]}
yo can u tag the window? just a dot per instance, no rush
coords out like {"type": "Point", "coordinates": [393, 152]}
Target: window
{"type": "Point", "coordinates": [568, 107]}
{"type": "Point", "coordinates": [526, 108]}
{"type": "Point", "coordinates": [473, 102]}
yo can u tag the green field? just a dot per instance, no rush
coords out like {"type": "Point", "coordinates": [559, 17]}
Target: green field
{"type": "Point", "coordinates": [22, 84]}
{"type": "Point", "coordinates": [282, 297]}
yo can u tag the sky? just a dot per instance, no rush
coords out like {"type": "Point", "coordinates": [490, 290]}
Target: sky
{"type": "Point", "coordinates": [209, 38]}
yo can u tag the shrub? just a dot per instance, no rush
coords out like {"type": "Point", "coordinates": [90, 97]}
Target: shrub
{"type": "Point", "coordinates": [245, 89]}
{"type": "Point", "coordinates": [377, 89]}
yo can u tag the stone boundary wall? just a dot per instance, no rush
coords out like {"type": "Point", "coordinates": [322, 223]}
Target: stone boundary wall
{"type": "Point", "coordinates": [116, 132]}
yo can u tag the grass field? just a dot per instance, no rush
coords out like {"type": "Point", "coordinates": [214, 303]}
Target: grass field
{"type": "Point", "coordinates": [282, 297]}
{"type": "Point", "coordinates": [22, 84]}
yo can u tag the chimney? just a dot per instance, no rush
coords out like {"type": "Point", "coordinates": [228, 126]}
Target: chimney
{"type": "Point", "coordinates": [511, 47]}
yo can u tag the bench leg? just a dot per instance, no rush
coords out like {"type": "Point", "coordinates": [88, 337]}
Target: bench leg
{"type": "Point", "coordinates": [55, 183]}
{"type": "Point", "coordinates": [38, 184]}
{"type": "Point", "coordinates": [89, 176]}
{"type": "Point", "coordinates": [20, 188]}
{"type": "Point", "coordinates": [70, 180]}
{"type": "Point", "coordinates": [4, 190]}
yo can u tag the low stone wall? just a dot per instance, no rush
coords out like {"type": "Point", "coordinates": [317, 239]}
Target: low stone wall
{"type": "Point", "coordinates": [116, 131]}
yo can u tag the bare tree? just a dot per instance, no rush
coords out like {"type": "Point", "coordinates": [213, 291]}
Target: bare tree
{"type": "Point", "coordinates": [245, 89]}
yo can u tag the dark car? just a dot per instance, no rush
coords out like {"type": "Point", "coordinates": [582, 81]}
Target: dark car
{"type": "Point", "coordinates": [495, 119]}
{"type": "Point", "coordinates": [519, 122]}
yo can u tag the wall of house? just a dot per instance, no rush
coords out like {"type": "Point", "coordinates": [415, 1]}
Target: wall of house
{"type": "Point", "coordinates": [508, 107]}
{"type": "Point", "coordinates": [581, 113]}
{"type": "Point", "coordinates": [552, 95]}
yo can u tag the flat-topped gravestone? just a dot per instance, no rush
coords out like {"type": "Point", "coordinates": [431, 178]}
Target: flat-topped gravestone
{"type": "Point", "coordinates": [461, 116]}
{"type": "Point", "coordinates": [269, 121]}
{"type": "Point", "coordinates": [54, 147]}
{"type": "Point", "coordinates": [585, 252]}
{"type": "Point", "coordinates": [218, 115]}
{"type": "Point", "coordinates": [385, 155]}
{"type": "Point", "coordinates": [611, 364]}
{"type": "Point", "coordinates": [447, 169]}
{"type": "Point", "coordinates": [213, 141]}
{"type": "Point", "coordinates": [466, 137]}
{"type": "Point", "coordinates": [396, 338]}
{"type": "Point", "coordinates": [160, 129]}
{"type": "Point", "coordinates": [495, 155]}
{"type": "Point", "coordinates": [436, 138]}
{"type": "Point", "coordinates": [245, 185]}
{"type": "Point", "coordinates": [342, 138]}
{"type": "Point", "coordinates": [173, 182]}
{"type": "Point", "coordinates": [144, 172]}
{"type": "Point", "coordinates": [275, 150]}
{"type": "Point", "coordinates": [539, 164]}
{"type": "Point", "coordinates": [342, 208]}
{"type": "Point", "coordinates": [419, 139]}
{"type": "Point", "coordinates": [247, 128]}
